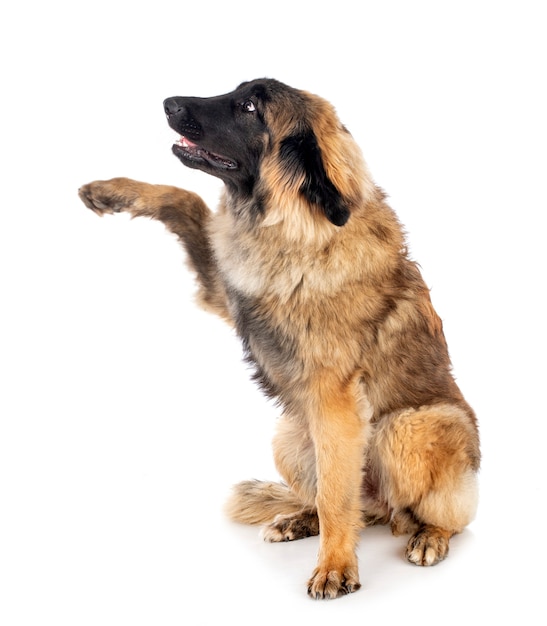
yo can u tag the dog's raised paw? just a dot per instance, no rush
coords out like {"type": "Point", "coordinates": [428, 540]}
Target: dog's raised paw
{"type": "Point", "coordinates": [93, 197]}
{"type": "Point", "coordinates": [108, 196]}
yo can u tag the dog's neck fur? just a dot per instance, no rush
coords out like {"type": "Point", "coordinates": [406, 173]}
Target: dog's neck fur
{"type": "Point", "coordinates": [305, 249]}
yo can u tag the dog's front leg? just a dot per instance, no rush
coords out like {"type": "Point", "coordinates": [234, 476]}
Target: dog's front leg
{"type": "Point", "coordinates": [339, 440]}
{"type": "Point", "coordinates": [183, 212]}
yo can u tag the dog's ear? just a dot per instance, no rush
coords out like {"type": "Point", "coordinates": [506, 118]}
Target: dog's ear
{"type": "Point", "coordinates": [300, 155]}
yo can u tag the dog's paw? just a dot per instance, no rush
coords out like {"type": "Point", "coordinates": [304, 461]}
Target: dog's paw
{"type": "Point", "coordinates": [333, 583]}
{"type": "Point", "coordinates": [291, 527]}
{"type": "Point", "coordinates": [428, 546]}
{"type": "Point", "coordinates": [107, 196]}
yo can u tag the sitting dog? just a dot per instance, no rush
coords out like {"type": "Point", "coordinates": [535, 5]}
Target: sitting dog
{"type": "Point", "coordinates": [307, 261]}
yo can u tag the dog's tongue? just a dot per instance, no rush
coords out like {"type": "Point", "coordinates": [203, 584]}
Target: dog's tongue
{"type": "Point", "coordinates": [186, 143]}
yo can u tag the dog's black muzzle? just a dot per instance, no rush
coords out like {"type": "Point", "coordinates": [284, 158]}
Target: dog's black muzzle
{"type": "Point", "coordinates": [180, 118]}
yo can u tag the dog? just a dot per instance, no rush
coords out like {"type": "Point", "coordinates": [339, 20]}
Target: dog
{"type": "Point", "coordinates": [306, 260]}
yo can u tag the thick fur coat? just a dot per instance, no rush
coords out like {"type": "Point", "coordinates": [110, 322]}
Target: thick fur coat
{"type": "Point", "coordinates": [308, 262]}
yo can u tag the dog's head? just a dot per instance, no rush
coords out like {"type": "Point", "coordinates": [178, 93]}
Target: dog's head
{"type": "Point", "coordinates": [271, 142]}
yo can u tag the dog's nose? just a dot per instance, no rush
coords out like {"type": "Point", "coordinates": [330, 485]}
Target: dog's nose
{"type": "Point", "coordinates": [172, 106]}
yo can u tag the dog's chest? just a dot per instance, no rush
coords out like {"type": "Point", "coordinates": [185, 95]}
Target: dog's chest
{"type": "Point", "coordinates": [263, 264]}
{"type": "Point", "coordinates": [289, 303]}
{"type": "Point", "coordinates": [255, 266]}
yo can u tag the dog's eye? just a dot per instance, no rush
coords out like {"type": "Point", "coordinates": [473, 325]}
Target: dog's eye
{"type": "Point", "coordinates": [249, 106]}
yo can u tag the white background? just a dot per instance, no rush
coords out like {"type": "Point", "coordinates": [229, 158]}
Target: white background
{"type": "Point", "coordinates": [126, 413]}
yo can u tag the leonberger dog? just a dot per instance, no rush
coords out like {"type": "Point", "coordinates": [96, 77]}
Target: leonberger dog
{"type": "Point", "coordinates": [306, 260]}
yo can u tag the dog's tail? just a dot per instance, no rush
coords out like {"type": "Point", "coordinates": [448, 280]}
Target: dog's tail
{"type": "Point", "coordinates": [257, 502]}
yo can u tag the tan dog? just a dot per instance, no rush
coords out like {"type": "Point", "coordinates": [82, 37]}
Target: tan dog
{"type": "Point", "coordinates": [307, 261]}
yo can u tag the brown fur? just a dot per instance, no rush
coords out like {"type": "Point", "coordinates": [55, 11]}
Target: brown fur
{"type": "Point", "coordinates": [340, 327]}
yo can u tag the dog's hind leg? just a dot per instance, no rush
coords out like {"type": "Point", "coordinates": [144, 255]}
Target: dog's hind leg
{"type": "Point", "coordinates": [294, 455]}
{"type": "Point", "coordinates": [287, 510]}
{"type": "Point", "coordinates": [183, 212]}
{"type": "Point", "coordinates": [428, 458]}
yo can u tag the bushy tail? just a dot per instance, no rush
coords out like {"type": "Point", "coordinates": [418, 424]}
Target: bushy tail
{"type": "Point", "coordinates": [257, 502]}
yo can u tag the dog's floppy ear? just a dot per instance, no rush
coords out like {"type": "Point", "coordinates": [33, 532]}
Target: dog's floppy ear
{"type": "Point", "coordinates": [301, 155]}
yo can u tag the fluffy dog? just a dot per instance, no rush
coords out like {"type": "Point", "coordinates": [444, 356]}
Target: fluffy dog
{"type": "Point", "coordinates": [307, 261]}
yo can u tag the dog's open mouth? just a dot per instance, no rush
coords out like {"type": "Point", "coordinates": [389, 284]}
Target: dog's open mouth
{"type": "Point", "coordinates": [187, 150]}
